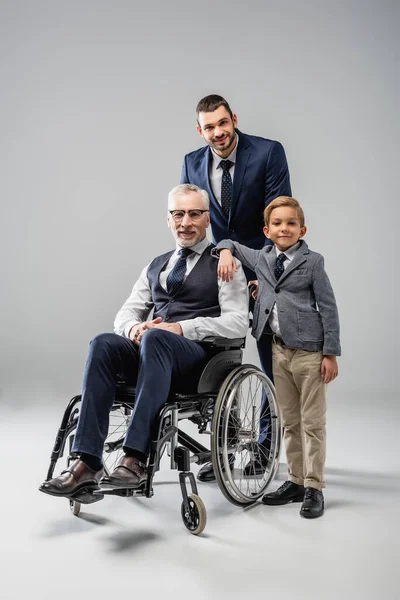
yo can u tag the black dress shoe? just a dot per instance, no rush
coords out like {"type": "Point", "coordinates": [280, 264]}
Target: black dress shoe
{"type": "Point", "coordinates": [313, 504]}
{"type": "Point", "coordinates": [77, 477]}
{"type": "Point", "coordinates": [206, 473]}
{"type": "Point", "coordinates": [129, 473]}
{"type": "Point", "coordinates": [287, 492]}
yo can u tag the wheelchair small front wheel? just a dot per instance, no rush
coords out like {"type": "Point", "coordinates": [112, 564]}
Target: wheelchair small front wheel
{"type": "Point", "coordinates": [75, 507]}
{"type": "Point", "coordinates": [195, 518]}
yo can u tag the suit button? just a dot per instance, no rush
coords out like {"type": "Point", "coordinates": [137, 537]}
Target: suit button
{"type": "Point", "coordinates": [231, 231]}
{"type": "Point", "coordinates": [266, 311]}
{"type": "Point", "coordinates": [172, 300]}
{"type": "Point", "coordinates": [277, 291]}
{"type": "Point", "coordinates": [166, 318]}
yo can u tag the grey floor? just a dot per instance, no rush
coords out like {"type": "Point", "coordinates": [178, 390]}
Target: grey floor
{"type": "Point", "coordinates": [128, 547]}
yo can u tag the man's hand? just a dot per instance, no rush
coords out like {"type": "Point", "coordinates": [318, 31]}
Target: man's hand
{"type": "Point", "coordinates": [138, 331]}
{"type": "Point", "coordinates": [329, 369]}
{"type": "Point", "coordinates": [226, 265]}
{"type": "Point", "coordinates": [172, 327]}
{"type": "Point", "coordinates": [254, 293]}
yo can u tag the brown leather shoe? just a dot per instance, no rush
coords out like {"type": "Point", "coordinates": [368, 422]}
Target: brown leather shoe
{"type": "Point", "coordinates": [129, 473]}
{"type": "Point", "coordinates": [76, 477]}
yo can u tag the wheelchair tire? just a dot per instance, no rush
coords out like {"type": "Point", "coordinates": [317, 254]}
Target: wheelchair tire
{"type": "Point", "coordinates": [195, 521]}
{"type": "Point", "coordinates": [236, 428]}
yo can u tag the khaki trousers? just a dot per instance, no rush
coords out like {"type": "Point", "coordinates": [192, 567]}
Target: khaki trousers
{"type": "Point", "coordinates": [301, 397]}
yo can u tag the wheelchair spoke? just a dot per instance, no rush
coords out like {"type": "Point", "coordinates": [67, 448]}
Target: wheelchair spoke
{"type": "Point", "coordinates": [118, 424]}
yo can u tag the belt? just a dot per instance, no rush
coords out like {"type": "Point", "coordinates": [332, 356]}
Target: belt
{"type": "Point", "coordinates": [276, 339]}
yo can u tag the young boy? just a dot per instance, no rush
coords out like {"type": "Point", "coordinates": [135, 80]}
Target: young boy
{"type": "Point", "coordinates": [296, 305]}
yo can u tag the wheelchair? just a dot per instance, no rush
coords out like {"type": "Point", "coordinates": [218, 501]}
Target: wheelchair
{"type": "Point", "coordinates": [227, 404]}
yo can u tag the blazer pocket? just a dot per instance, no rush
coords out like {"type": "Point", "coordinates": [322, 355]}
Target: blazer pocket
{"type": "Point", "coordinates": [299, 272]}
{"type": "Point", "coordinates": [310, 327]}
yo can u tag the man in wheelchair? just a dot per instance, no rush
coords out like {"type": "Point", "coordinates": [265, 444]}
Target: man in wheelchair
{"type": "Point", "coordinates": [190, 304]}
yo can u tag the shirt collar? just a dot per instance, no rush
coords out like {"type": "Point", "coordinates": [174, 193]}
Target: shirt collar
{"type": "Point", "coordinates": [232, 157]}
{"type": "Point", "coordinates": [290, 252]}
{"type": "Point", "coordinates": [198, 248]}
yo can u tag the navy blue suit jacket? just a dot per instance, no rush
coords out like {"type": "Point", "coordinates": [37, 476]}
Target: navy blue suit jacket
{"type": "Point", "coordinates": [261, 175]}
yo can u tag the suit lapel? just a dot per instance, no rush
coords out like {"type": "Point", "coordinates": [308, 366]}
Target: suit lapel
{"type": "Point", "coordinates": [205, 171]}
{"type": "Point", "coordinates": [271, 262]}
{"type": "Point", "coordinates": [242, 157]}
{"type": "Point", "coordinates": [298, 259]}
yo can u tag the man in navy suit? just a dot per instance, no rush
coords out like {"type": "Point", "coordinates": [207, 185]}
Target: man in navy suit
{"type": "Point", "coordinates": [242, 175]}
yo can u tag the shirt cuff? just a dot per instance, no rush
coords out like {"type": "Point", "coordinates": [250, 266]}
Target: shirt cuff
{"type": "Point", "coordinates": [188, 330]}
{"type": "Point", "coordinates": [129, 327]}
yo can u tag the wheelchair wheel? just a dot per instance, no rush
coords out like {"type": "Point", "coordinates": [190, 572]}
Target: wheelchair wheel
{"type": "Point", "coordinates": [246, 431]}
{"type": "Point", "coordinates": [75, 507]}
{"type": "Point", "coordinates": [118, 425]}
{"type": "Point", "coordinates": [196, 518]}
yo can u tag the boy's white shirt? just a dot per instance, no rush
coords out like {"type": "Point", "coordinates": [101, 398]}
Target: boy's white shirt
{"type": "Point", "coordinates": [290, 252]}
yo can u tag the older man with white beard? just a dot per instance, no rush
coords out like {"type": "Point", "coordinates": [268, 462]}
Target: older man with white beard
{"type": "Point", "coordinates": [190, 303]}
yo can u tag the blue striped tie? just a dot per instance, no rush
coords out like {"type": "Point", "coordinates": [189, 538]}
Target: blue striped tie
{"type": "Point", "coordinates": [177, 274]}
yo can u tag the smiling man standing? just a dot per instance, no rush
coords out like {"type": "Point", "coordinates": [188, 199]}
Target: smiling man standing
{"type": "Point", "coordinates": [242, 175]}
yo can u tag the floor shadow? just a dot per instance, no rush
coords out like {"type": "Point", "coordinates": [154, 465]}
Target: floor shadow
{"type": "Point", "coordinates": [68, 526]}
{"type": "Point", "coordinates": [132, 541]}
{"type": "Point", "coordinates": [96, 519]}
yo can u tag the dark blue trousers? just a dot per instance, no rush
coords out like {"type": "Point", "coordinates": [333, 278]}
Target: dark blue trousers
{"type": "Point", "coordinates": [162, 359]}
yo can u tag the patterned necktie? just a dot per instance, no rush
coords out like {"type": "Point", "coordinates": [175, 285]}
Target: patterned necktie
{"type": "Point", "coordinates": [226, 186]}
{"type": "Point", "coordinates": [177, 273]}
{"type": "Point", "coordinates": [279, 265]}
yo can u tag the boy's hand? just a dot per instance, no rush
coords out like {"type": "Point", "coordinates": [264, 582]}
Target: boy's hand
{"type": "Point", "coordinates": [254, 293]}
{"type": "Point", "coordinates": [329, 369]}
{"type": "Point", "coordinates": [226, 265]}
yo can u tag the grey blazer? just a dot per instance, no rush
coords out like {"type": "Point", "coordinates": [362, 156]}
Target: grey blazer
{"type": "Point", "coordinates": [307, 312]}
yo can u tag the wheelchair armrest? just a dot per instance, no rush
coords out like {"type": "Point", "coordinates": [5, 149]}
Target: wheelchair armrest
{"type": "Point", "coordinates": [228, 343]}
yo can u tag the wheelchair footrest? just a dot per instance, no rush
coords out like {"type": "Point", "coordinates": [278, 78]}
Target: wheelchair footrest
{"type": "Point", "coordinates": [123, 492]}
{"type": "Point", "coordinates": [87, 496]}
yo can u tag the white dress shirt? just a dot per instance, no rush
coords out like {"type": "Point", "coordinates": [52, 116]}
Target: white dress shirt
{"type": "Point", "coordinates": [216, 171]}
{"type": "Point", "coordinates": [233, 300]}
{"type": "Point", "coordinates": [273, 319]}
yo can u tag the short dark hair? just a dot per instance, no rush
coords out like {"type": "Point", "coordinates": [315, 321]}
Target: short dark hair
{"type": "Point", "coordinates": [211, 103]}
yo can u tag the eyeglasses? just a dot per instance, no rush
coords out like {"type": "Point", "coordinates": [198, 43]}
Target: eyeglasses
{"type": "Point", "coordinates": [194, 215]}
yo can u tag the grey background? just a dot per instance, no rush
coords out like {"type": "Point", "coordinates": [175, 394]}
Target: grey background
{"type": "Point", "coordinates": [96, 112]}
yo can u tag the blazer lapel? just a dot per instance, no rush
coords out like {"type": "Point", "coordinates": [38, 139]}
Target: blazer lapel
{"type": "Point", "coordinates": [298, 259]}
{"type": "Point", "coordinates": [271, 262]}
{"type": "Point", "coordinates": [205, 171]}
{"type": "Point", "coordinates": [242, 157]}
